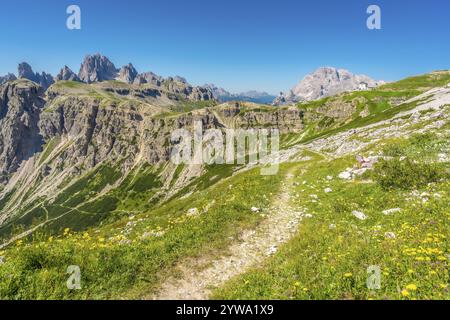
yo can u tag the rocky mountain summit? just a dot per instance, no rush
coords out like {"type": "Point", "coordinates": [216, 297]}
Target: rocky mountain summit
{"type": "Point", "coordinates": [25, 71]}
{"type": "Point", "coordinates": [66, 74]}
{"type": "Point", "coordinates": [97, 68]}
{"type": "Point", "coordinates": [127, 73]}
{"type": "Point", "coordinates": [325, 82]}
{"type": "Point", "coordinates": [223, 95]}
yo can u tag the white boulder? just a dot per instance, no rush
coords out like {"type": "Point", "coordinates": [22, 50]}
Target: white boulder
{"type": "Point", "coordinates": [359, 215]}
{"type": "Point", "coordinates": [391, 211]}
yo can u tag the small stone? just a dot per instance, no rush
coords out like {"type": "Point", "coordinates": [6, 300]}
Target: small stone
{"type": "Point", "coordinates": [332, 226]}
{"type": "Point", "coordinates": [391, 211]}
{"type": "Point", "coordinates": [308, 215]}
{"type": "Point", "coordinates": [346, 175]}
{"type": "Point", "coordinates": [329, 178]}
{"type": "Point", "coordinates": [328, 190]}
{"type": "Point", "coordinates": [193, 212]}
{"type": "Point", "coordinates": [359, 215]}
{"type": "Point", "coordinates": [272, 250]}
{"type": "Point", "coordinates": [255, 209]}
{"type": "Point", "coordinates": [390, 235]}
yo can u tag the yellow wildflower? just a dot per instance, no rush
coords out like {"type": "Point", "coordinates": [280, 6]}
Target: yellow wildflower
{"type": "Point", "coordinates": [348, 275]}
{"type": "Point", "coordinates": [405, 293]}
{"type": "Point", "coordinates": [411, 287]}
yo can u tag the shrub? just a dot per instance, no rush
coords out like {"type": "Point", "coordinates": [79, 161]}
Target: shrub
{"type": "Point", "coordinates": [407, 174]}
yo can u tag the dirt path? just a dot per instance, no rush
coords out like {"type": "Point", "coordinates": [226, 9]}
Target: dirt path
{"type": "Point", "coordinates": [254, 246]}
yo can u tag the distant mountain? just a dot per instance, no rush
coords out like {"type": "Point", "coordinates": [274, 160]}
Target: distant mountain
{"type": "Point", "coordinates": [66, 74]}
{"type": "Point", "coordinates": [8, 77]}
{"type": "Point", "coordinates": [25, 71]}
{"type": "Point", "coordinates": [223, 95]}
{"type": "Point", "coordinates": [325, 82]}
{"type": "Point", "coordinates": [97, 68]}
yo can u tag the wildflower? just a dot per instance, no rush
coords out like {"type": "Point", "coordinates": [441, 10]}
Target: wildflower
{"type": "Point", "coordinates": [405, 293]}
{"type": "Point", "coordinates": [443, 286]}
{"type": "Point", "coordinates": [410, 271]}
{"type": "Point", "coordinates": [420, 258]}
{"type": "Point", "coordinates": [305, 289]}
{"type": "Point", "coordinates": [297, 284]}
{"type": "Point", "coordinates": [50, 239]}
{"type": "Point", "coordinates": [348, 275]}
{"type": "Point", "coordinates": [411, 287]}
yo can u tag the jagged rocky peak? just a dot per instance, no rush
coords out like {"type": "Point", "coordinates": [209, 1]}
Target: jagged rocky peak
{"type": "Point", "coordinates": [325, 82]}
{"type": "Point", "coordinates": [97, 68]}
{"type": "Point", "coordinates": [127, 73]}
{"type": "Point", "coordinates": [66, 74]}
{"type": "Point", "coordinates": [25, 71]}
{"type": "Point", "coordinates": [6, 78]}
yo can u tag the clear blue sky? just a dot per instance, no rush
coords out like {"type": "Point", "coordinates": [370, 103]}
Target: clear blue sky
{"type": "Point", "coordinates": [239, 45]}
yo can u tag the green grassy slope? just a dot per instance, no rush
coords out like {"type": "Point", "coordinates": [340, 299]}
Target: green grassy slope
{"type": "Point", "coordinates": [330, 256]}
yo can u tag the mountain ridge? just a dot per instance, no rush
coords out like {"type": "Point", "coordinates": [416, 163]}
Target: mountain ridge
{"type": "Point", "coordinates": [325, 82]}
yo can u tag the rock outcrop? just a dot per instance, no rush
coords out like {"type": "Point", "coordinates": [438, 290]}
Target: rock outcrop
{"type": "Point", "coordinates": [97, 68]}
{"type": "Point", "coordinates": [25, 71]}
{"type": "Point", "coordinates": [127, 73]}
{"type": "Point", "coordinates": [66, 74]}
{"type": "Point", "coordinates": [20, 106]}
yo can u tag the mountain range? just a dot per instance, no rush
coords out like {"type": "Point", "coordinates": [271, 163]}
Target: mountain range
{"type": "Point", "coordinates": [223, 95]}
{"type": "Point", "coordinates": [325, 82]}
{"type": "Point", "coordinates": [86, 180]}
{"type": "Point", "coordinates": [98, 68]}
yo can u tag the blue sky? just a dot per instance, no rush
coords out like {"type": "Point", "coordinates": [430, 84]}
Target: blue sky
{"type": "Point", "coordinates": [239, 45]}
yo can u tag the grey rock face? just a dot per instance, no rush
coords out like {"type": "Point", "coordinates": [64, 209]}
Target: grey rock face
{"type": "Point", "coordinates": [326, 82]}
{"type": "Point", "coordinates": [187, 91]}
{"type": "Point", "coordinates": [8, 77]}
{"type": "Point", "coordinates": [66, 74]}
{"type": "Point", "coordinates": [148, 77]}
{"type": "Point", "coordinates": [97, 68]}
{"type": "Point", "coordinates": [127, 74]}
{"type": "Point", "coordinates": [20, 106]}
{"type": "Point", "coordinates": [25, 71]}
